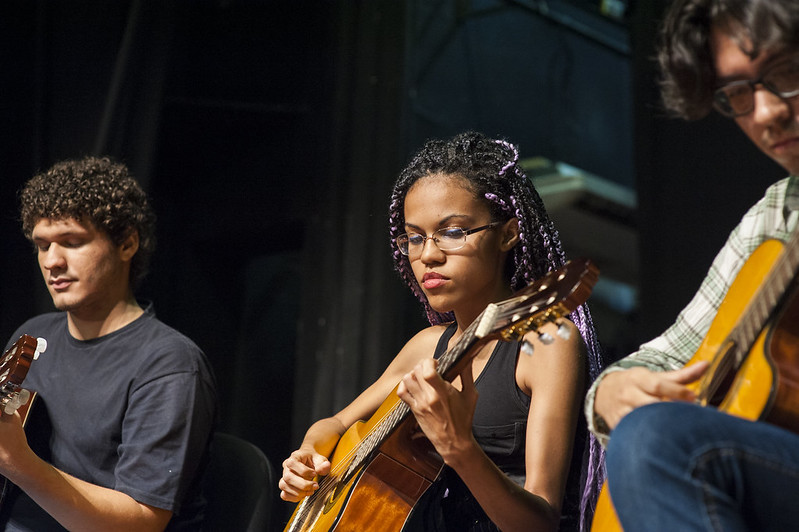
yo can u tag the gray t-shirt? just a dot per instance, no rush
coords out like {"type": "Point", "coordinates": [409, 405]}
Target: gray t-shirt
{"type": "Point", "coordinates": [132, 411]}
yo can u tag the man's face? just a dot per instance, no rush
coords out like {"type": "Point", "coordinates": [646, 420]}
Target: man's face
{"type": "Point", "coordinates": [86, 274]}
{"type": "Point", "coordinates": [773, 124]}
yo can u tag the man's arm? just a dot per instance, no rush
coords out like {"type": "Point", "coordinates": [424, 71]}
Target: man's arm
{"type": "Point", "coordinates": [74, 503]}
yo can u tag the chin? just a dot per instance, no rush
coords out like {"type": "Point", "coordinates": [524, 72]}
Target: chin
{"type": "Point", "coordinates": [65, 304]}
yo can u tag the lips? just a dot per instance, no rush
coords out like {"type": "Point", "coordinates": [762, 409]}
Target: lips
{"type": "Point", "coordinates": [60, 284]}
{"type": "Point", "coordinates": [784, 144]}
{"type": "Point", "coordinates": [433, 280]}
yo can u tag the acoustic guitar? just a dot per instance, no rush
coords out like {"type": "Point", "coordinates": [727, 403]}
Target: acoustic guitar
{"type": "Point", "coordinates": [752, 347]}
{"type": "Point", "coordinates": [380, 468]}
{"type": "Point", "coordinates": [13, 370]}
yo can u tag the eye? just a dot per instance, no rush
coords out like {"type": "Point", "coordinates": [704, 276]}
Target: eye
{"type": "Point", "coordinates": [784, 78]}
{"type": "Point", "coordinates": [415, 239]}
{"type": "Point", "coordinates": [736, 91]}
{"type": "Point", "coordinates": [451, 233]}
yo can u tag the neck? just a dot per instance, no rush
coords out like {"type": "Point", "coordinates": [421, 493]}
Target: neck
{"type": "Point", "coordinates": [465, 316]}
{"type": "Point", "coordinates": [105, 321]}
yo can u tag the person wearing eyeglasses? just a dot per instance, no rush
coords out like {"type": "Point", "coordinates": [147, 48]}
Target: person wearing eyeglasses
{"type": "Point", "coordinates": [468, 228]}
{"type": "Point", "coordinates": [672, 463]}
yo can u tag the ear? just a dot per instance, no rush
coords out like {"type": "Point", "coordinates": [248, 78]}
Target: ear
{"type": "Point", "coordinates": [510, 234]}
{"type": "Point", "coordinates": [129, 246]}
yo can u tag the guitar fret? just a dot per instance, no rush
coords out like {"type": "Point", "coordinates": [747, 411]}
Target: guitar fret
{"type": "Point", "coordinates": [766, 298]}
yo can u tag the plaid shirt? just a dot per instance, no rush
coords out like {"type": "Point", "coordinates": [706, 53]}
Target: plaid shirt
{"type": "Point", "coordinates": [769, 218]}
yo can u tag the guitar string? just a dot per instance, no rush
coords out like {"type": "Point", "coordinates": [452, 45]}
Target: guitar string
{"type": "Point", "coordinates": [761, 307]}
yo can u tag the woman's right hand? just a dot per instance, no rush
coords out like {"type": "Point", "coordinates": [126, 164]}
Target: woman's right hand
{"type": "Point", "coordinates": [300, 470]}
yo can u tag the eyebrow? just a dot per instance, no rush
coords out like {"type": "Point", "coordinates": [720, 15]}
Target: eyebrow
{"type": "Point", "coordinates": [62, 234]}
{"type": "Point", "coordinates": [444, 222]}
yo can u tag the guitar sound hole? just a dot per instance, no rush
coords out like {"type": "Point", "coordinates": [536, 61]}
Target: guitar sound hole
{"type": "Point", "coordinates": [723, 377]}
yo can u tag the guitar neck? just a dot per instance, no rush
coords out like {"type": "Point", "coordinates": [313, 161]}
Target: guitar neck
{"type": "Point", "coordinates": [767, 298]}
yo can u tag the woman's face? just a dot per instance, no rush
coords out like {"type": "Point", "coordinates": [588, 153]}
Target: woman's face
{"type": "Point", "coordinates": [467, 279]}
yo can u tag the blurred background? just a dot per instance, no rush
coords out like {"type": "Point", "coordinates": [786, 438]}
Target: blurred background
{"type": "Point", "coordinates": [269, 133]}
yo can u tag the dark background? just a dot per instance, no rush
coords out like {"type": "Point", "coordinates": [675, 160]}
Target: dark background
{"type": "Point", "coordinates": [269, 133]}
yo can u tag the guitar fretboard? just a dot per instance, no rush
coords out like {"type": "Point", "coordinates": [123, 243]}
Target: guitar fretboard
{"type": "Point", "coordinates": [768, 296]}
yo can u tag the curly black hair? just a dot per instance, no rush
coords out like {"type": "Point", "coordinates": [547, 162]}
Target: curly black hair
{"type": "Point", "coordinates": [99, 190]}
{"type": "Point", "coordinates": [688, 79]}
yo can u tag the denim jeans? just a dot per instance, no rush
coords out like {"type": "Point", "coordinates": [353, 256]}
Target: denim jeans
{"type": "Point", "coordinates": [677, 466]}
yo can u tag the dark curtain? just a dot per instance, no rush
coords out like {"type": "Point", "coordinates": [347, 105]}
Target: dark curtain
{"type": "Point", "coordinates": [356, 313]}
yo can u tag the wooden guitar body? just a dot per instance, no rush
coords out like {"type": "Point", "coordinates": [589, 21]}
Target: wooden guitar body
{"type": "Point", "coordinates": [381, 494]}
{"type": "Point", "coordinates": [754, 363]}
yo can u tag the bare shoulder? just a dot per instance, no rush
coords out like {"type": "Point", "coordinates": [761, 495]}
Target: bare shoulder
{"type": "Point", "coordinates": [421, 345]}
{"type": "Point", "coordinates": [563, 356]}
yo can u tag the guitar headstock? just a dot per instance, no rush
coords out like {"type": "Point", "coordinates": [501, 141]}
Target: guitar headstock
{"type": "Point", "coordinates": [546, 300]}
{"type": "Point", "coordinates": [14, 368]}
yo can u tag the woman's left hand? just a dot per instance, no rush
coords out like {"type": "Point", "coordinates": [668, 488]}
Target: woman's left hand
{"type": "Point", "coordinates": [443, 412]}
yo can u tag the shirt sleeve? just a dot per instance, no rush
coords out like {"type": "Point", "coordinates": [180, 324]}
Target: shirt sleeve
{"type": "Point", "coordinates": [164, 438]}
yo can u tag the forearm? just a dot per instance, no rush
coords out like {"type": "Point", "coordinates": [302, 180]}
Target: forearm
{"type": "Point", "coordinates": [79, 505]}
{"type": "Point", "coordinates": [323, 436]}
{"type": "Point", "coordinates": [508, 505]}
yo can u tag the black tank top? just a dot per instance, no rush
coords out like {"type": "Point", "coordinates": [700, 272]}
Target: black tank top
{"type": "Point", "coordinates": [500, 416]}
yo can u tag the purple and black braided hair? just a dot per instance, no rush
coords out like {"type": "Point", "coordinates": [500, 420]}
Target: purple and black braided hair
{"type": "Point", "coordinates": [492, 169]}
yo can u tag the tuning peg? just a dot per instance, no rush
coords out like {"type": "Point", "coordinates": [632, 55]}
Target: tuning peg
{"type": "Point", "coordinates": [41, 346]}
{"type": "Point", "coordinates": [564, 331]}
{"type": "Point", "coordinates": [527, 348]}
{"type": "Point", "coordinates": [24, 396]}
{"type": "Point", "coordinates": [546, 338]}
{"type": "Point", "coordinates": [12, 404]}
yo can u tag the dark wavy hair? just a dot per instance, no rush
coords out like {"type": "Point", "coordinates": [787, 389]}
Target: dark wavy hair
{"type": "Point", "coordinates": [688, 79]}
{"type": "Point", "coordinates": [99, 190]}
{"type": "Point", "coordinates": [491, 167]}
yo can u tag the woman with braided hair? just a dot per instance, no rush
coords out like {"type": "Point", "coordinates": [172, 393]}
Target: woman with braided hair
{"type": "Point", "coordinates": [468, 229]}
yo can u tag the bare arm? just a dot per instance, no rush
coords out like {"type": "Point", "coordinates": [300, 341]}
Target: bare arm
{"type": "Point", "coordinates": [76, 504]}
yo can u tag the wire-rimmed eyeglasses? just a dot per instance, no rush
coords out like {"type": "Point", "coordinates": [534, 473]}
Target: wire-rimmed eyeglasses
{"type": "Point", "coordinates": [446, 238]}
{"type": "Point", "coordinates": [738, 97]}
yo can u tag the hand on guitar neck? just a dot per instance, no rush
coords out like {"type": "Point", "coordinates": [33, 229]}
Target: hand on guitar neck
{"type": "Point", "coordinates": [444, 413]}
{"type": "Point", "coordinates": [620, 392]}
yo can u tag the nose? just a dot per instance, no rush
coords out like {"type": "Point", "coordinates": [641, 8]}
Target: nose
{"type": "Point", "coordinates": [431, 253]}
{"type": "Point", "coordinates": [769, 107]}
{"type": "Point", "coordinates": [53, 258]}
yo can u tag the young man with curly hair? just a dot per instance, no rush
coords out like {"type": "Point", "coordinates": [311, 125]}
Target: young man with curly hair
{"type": "Point", "coordinates": [672, 464]}
{"type": "Point", "coordinates": [130, 403]}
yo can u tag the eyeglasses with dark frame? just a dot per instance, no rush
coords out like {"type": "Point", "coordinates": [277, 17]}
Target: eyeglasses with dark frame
{"type": "Point", "coordinates": [446, 238]}
{"type": "Point", "coordinates": [738, 98]}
